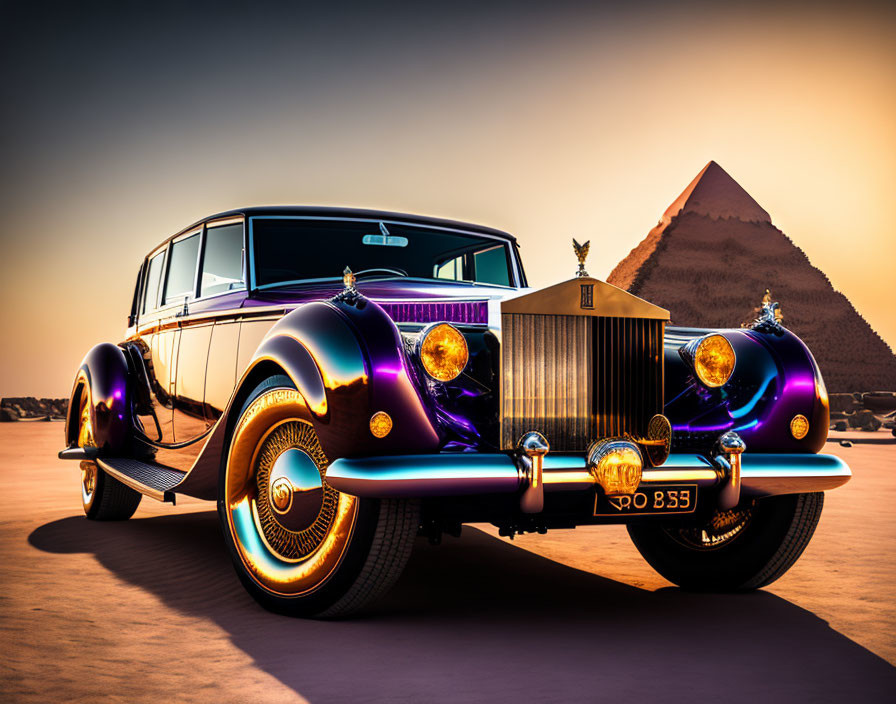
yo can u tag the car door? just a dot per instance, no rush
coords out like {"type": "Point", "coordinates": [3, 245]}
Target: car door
{"type": "Point", "coordinates": [222, 290]}
{"type": "Point", "coordinates": [154, 347]}
{"type": "Point", "coordinates": [188, 335]}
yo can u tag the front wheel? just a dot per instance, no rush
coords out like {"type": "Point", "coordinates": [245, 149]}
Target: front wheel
{"type": "Point", "coordinates": [738, 550]}
{"type": "Point", "coordinates": [300, 547]}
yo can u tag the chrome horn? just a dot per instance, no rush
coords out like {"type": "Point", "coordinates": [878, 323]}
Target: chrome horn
{"type": "Point", "coordinates": [730, 446]}
{"type": "Point", "coordinates": [532, 448]}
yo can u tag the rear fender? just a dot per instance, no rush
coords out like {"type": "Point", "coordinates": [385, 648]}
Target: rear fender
{"type": "Point", "coordinates": [104, 373]}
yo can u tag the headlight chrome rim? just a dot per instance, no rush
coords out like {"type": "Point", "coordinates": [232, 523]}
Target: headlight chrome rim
{"type": "Point", "coordinates": [440, 363]}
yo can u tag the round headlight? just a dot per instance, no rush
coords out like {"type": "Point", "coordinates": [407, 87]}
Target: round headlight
{"type": "Point", "coordinates": [714, 360]}
{"type": "Point", "coordinates": [443, 352]}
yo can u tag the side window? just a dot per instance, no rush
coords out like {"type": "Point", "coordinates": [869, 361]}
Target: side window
{"type": "Point", "coordinates": [153, 279]}
{"type": "Point", "coordinates": [135, 301]}
{"type": "Point", "coordinates": [453, 269]}
{"type": "Point", "coordinates": [182, 269]}
{"type": "Point", "coordinates": [222, 265]}
{"type": "Point", "coordinates": [491, 266]}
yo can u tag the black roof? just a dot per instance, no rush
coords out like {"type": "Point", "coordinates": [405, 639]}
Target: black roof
{"type": "Point", "coordinates": [333, 212]}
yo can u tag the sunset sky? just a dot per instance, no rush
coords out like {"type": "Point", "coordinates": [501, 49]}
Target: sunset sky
{"type": "Point", "coordinates": [550, 120]}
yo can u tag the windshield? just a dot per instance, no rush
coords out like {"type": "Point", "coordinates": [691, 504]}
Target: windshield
{"type": "Point", "coordinates": [289, 250]}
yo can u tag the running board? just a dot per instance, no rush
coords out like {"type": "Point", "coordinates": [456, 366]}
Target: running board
{"type": "Point", "coordinates": [153, 480]}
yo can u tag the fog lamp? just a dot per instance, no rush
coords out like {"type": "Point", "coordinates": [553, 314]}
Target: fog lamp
{"type": "Point", "coordinates": [616, 464]}
{"type": "Point", "coordinates": [799, 426]}
{"type": "Point", "coordinates": [380, 424]}
{"type": "Point", "coordinates": [713, 360]}
{"type": "Point", "coordinates": [443, 352]}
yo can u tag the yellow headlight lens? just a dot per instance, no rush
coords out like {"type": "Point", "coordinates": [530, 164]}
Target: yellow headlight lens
{"type": "Point", "coordinates": [714, 360]}
{"type": "Point", "coordinates": [444, 352]}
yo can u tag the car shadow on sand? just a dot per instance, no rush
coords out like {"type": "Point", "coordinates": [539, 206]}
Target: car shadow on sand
{"type": "Point", "coordinates": [478, 619]}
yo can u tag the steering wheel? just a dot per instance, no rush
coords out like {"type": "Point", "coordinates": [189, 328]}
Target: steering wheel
{"type": "Point", "coordinates": [384, 269]}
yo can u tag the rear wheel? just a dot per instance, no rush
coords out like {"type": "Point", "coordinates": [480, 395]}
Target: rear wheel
{"type": "Point", "coordinates": [103, 498]}
{"type": "Point", "coordinates": [300, 547]}
{"type": "Point", "coordinates": [746, 548]}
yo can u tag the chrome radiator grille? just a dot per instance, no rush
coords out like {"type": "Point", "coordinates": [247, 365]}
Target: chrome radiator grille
{"type": "Point", "coordinates": [579, 378]}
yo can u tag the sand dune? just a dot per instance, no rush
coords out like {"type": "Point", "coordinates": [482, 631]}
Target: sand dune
{"type": "Point", "coordinates": [150, 610]}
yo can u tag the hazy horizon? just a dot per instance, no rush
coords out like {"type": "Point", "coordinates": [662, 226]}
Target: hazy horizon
{"type": "Point", "coordinates": [123, 124]}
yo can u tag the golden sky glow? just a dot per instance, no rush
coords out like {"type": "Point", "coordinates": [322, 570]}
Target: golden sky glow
{"type": "Point", "coordinates": [585, 129]}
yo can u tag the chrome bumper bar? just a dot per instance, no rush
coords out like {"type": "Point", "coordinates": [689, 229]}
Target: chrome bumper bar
{"type": "Point", "coordinates": [460, 474]}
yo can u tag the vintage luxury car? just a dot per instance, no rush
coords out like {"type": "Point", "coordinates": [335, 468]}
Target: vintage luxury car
{"type": "Point", "coordinates": [341, 381]}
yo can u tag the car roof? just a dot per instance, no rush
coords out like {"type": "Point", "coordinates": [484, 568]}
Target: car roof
{"type": "Point", "coordinates": [348, 213]}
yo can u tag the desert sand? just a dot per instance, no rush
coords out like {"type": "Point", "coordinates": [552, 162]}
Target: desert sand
{"type": "Point", "coordinates": [151, 610]}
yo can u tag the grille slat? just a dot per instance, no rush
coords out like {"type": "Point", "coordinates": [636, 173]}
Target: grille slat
{"type": "Point", "coordinates": [579, 378]}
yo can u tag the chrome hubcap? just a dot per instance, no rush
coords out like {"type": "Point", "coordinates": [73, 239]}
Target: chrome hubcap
{"type": "Point", "coordinates": [295, 507]}
{"type": "Point", "coordinates": [295, 490]}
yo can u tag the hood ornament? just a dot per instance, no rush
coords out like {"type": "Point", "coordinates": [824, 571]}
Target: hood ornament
{"type": "Point", "coordinates": [581, 251]}
{"type": "Point", "coordinates": [770, 318]}
{"type": "Point", "coordinates": [349, 294]}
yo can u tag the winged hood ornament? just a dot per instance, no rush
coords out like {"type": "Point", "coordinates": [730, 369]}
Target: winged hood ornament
{"type": "Point", "coordinates": [770, 318]}
{"type": "Point", "coordinates": [581, 251]}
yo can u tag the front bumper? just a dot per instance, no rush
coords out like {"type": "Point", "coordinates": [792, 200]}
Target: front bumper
{"type": "Point", "coordinates": [460, 474]}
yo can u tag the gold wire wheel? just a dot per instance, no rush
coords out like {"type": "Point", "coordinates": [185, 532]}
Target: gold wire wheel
{"type": "Point", "coordinates": [295, 510]}
{"type": "Point", "coordinates": [289, 527]}
{"type": "Point", "coordinates": [85, 439]}
{"type": "Point", "coordinates": [722, 528]}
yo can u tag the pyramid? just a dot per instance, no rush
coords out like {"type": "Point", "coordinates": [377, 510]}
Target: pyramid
{"type": "Point", "coordinates": [715, 251]}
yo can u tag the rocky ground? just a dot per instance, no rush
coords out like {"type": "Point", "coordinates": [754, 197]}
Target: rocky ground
{"type": "Point", "coordinates": [864, 411]}
{"type": "Point", "coordinates": [30, 408]}
{"type": "Point", "coordinates": [151, 610]}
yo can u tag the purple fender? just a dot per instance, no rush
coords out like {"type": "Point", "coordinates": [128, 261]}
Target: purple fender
{"type": "Point", "coordinates": [104, 374]}
{"type": "Point", "coordinates": [775, 378]}
{"type": "Point", "coordinates": [346, 359]}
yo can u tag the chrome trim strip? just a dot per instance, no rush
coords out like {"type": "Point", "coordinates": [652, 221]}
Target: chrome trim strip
{"type": "Point", "coordinates": [186, 235]}
{"type": "Point", "coordinates": [239, 219]}
{"type": "Point", "coordinates": [234, 314]}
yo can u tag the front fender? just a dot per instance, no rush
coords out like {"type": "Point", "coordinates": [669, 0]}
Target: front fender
{"type": "Point", "coordinates": [347, 360]}
{"type": "Point", "coordinates": [105, 374]}
{"type": "Point", "coordinates": [775, 378]}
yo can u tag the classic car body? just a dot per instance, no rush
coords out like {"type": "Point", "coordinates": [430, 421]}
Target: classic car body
{"type": "Point", "coordinates": [575, 404]}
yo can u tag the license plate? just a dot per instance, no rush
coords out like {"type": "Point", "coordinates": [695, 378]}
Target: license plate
{"type": "Point", "coordinates": [649, 501]}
